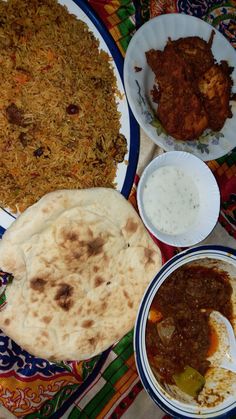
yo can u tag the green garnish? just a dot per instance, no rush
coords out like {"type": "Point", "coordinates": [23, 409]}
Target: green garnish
{"type": "Point", "coordinates": [190, 381]}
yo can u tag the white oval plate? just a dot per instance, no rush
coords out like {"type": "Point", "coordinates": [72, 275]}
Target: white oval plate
{"type": "Point", "coordinates": [129, 128]}
{"type": "Point", "coordinates": [154, 34]}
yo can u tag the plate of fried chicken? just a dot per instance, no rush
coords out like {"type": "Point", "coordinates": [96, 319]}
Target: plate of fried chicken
{"type": "Point", "coordinates": [180, 80]}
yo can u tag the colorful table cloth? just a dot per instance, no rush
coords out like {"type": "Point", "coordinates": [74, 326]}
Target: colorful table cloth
{"type": "Point", "coordinates": [108, 385]}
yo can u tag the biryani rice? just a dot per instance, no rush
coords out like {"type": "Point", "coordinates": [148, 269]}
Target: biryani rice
{"type": "Point", "coordinates": [59, 123]}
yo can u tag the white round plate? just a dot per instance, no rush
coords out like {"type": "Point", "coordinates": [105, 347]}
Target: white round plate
{"type": "Point", "coordinates": [138, 84]}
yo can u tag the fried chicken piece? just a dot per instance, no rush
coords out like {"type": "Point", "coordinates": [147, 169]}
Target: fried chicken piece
{"type": "Point", "coordinates": [181, 113]}
{"type": "Point", "coordinates": [196, 52]}
{"type": "Point", "coordinates": [166, 65]}
{"type": "Point", "coordinates": [193, 91]}
{"type": "Point", "coordinates": [215, 88]}
{"type": "Point", "coordinates": [180, 110]}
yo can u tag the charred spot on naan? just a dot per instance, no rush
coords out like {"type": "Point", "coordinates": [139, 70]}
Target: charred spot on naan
{"type": "Point", "coordinates": [95, 247]}
{"type": "Point", "coordinates": [33, 300]}
{"type": "Point", "coordinates": [42, 340]}
{"type": "Point", "coordinates": [71, 236]}
{"type": "Point", "coordinates": [7, 322]}
{"type": "Point", "coordinates": [103, 306]}
{"type": "Point", "coordinates": [127, 297]}
{"type": "Point", "coordinates": [45, 210]}
{"type": "Point", "coordinates": [98, 280]}
{"type": "Point", "coordinates": [66, 236]}
{"type": "Point", "coordinates": [80, 248]}
{"type": "Point", "coordinates": [65, 336]}
{"type": "Point", "coordinates": [87, 323]}
{"type": "Point", "coordinates": [98, 308]}
{"type": "Point", "coordinates": [131, 226]}
{"type": "Point", "coordinates": [90, 233]}
{"type": "Point", "coordinates": [49, 261]}
{"type": "Point", "coordinates": [92, 341]}
{"type": "Point", "coordinates": [38, 284]}
{"type": "Point", "coordinates": [47, 319]}
{"type": "Point", "coordinates": [149, 254]}
{"type": "Point", "coordinates": [63, 296]}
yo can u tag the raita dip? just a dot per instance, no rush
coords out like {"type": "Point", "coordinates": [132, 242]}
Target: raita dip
{"type": "Point", "coordinates": [171, 200]}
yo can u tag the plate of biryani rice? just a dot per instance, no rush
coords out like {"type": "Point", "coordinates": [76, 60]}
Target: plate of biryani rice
{"type": "Point", "coordinates": [64, 119]}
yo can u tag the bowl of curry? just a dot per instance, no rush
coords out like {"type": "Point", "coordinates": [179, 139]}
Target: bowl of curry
{"type": "Point", "coordinates": [177, 345]}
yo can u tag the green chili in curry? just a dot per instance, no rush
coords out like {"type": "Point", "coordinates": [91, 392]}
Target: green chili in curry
{"type": "Point", "coordinates": [178, 334]}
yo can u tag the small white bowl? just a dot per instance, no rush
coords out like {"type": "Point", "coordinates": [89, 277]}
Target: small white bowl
{"type": "Point", "coordinates": [208, 193]}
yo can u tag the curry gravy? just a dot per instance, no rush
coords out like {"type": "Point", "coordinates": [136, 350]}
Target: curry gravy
{"type": "Point", "coordinates": [185, 301]}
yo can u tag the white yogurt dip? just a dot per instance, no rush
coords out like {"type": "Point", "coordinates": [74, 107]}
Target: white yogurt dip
{"type": "Point", "coordinates": [171, 200]}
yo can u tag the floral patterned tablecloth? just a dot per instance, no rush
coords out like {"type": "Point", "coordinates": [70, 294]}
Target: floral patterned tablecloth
{"type": "Point", "coordinates": [108, 385]}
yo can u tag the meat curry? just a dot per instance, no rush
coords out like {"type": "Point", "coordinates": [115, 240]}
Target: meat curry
{"type": "Point", "coordinates": [179, 338]}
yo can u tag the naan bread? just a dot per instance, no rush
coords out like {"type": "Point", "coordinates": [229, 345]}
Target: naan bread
{"type": "Point", "coordinates": [81, 260]}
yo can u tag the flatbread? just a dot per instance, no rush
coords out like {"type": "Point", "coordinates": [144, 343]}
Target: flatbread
{"type": "Point", "coordinates": [81, 261]}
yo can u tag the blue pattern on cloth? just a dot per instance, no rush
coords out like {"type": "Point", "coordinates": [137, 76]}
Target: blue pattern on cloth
{"type": "Point", "coordinates": [12, 356]}
{"type": "Point", "coordinates": [197, 8]}
{"type": "Point", "coordinates": [5, 278]}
